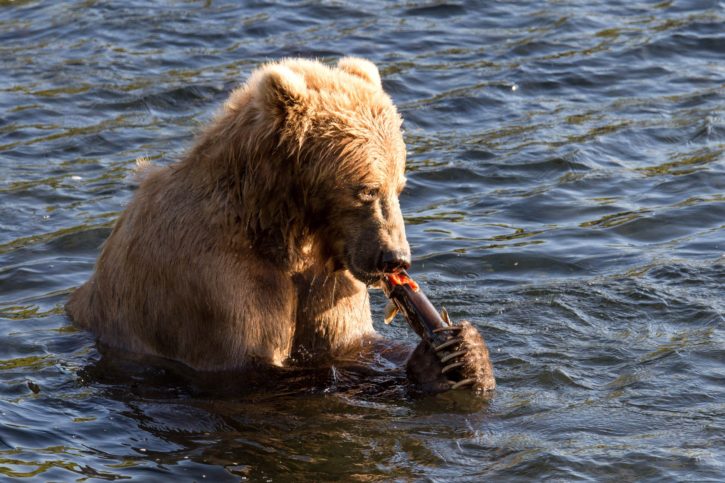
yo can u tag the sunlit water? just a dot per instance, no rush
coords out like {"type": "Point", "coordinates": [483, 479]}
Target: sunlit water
{"type": "Point", "coordinates": [566, 194]}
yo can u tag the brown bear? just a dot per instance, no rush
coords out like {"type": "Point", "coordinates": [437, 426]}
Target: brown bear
{"type": "Point", "coordinates": [260, 244]}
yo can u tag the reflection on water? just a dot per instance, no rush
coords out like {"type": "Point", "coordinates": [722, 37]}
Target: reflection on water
{"type": "Point", "coordinates": [565, 194]}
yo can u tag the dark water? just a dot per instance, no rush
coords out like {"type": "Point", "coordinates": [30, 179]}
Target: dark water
{"type": "Point", "coordinates": [566, 193]}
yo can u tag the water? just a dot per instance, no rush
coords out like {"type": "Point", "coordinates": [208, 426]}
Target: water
{"type": "Point", "coordinates": [566, 193]}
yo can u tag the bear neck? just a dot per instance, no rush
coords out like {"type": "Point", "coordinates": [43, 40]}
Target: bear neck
{"type": "Point", "coordinates": [250, 182]}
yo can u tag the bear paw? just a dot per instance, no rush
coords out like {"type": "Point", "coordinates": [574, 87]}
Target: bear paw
{"type": "Point", "coordinates": [459, 360]}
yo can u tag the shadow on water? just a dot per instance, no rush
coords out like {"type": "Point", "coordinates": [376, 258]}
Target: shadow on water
{"type": "Point", "coordinates": [331, 421]}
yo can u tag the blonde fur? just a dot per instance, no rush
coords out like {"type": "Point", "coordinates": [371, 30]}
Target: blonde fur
{"type": "Point", "coordinates": [252, 247]}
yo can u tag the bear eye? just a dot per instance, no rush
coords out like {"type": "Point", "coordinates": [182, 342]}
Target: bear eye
{"type": "Point", "coordinates": [368, 194]}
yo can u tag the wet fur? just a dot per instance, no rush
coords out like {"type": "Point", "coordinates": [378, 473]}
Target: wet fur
{"type": "Point", "coordinates": [476, 361]}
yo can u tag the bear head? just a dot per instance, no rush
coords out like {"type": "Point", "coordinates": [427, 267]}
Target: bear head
{"type": "Point", "coordinates": [321, 156]}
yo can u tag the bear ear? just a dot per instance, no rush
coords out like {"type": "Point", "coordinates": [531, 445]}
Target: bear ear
{"type": "Point", "coordinates": [361, 68]}
{"type": "Point", "coordinates": [279, 87]}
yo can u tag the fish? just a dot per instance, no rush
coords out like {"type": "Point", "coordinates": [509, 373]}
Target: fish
{"type": "Point", "coordinates": [460, 347]}
{"type": "Point", "coordinates": [391, 310]}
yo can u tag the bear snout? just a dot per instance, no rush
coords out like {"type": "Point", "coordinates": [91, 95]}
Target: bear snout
{"type": "Point", "coordinates": [393, 260]}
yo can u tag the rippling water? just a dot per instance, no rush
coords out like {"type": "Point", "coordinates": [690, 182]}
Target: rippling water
{"type": "Point", "coordinates": [566, 193]}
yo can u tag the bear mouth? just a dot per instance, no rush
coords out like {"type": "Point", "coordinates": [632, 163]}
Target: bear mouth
{"type": "Point", "coordinates": [367, 277]}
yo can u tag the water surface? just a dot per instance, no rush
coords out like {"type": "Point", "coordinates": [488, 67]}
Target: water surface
{"type": "Point", "coordinates": [566, 194]}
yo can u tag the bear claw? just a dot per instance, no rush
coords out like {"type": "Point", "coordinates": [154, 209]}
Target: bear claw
{"type": "Point", "coordinates": [451, 366]}
{"type": "Point", "coordinates": [466, 382]}
{"type": "Point", "coordinates": [453, 355]}
{"type": "Point", "coordinates": [448, 344]}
